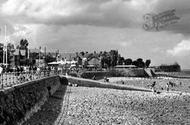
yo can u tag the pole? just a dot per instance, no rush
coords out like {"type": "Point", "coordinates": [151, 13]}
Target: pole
{"type": "Point", "coordinates": [28, 53]}
{"type": "Point", "coordinates": [39, 56]}
{"type": "Point", "coordinates": [45, 56]}
{"type": "Point", "coordinates": [6, 43]}
{"type": "Point", "coordinates": [6, 56]}
{"type": "Point", "coordinates": [3, 54]}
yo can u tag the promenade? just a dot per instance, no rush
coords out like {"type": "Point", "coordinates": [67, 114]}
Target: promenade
{"type": "Point", "coordinates": [9, 79]}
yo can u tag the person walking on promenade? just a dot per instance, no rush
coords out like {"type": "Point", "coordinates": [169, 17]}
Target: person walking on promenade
{"type": "Point", "coordinates": [1, 70]}
{"type": "Point", "coordinates": [167, 86]}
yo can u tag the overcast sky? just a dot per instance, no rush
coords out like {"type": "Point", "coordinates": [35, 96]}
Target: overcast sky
{"type": "Point", "coordinates": [95, 25]}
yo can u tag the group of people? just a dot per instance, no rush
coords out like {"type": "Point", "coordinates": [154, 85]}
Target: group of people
{"type": "Point", "coordinates": [168, 85]}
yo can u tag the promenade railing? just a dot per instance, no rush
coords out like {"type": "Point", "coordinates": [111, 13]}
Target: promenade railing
{"type": "Point", "coordinates": [8, 79]}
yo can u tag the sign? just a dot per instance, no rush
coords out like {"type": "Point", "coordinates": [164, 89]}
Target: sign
{"type": "Point", "coordinates": [158, 21]}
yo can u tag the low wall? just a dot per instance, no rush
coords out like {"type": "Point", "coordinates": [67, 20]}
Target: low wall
{"type": "Point", "coordinates": [98, 84]}
{"type": "Point", "coordinates": [97, 74]}
{"type": "Point", "coordinates": [134, 72]}
{"type": "Point", "coordinates": [19, 102]}
{"type": "Point", "coordinates": [130, 72]}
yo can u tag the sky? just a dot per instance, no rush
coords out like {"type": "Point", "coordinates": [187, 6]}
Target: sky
{"type": "Point", "coordinates": [98, 25]}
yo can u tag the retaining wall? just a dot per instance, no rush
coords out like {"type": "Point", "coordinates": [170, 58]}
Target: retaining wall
{"type": "Point", "coordinates": [98, 84]}
{"type": "Point", "coordinates": [130, 72]}
{"type": "Point", "coordinates": [19, 102]}
{"type": "Point", "coordinates": [97, 74]}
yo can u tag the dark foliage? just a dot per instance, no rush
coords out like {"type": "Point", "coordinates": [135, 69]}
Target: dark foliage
{"type": "Point", "coordinates": [147, 63]}
{"type": "Point", "coordinates": [128, 61]}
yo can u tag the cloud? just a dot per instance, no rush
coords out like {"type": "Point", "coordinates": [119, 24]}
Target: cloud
{"type": "Point", "coordinates": [120, 13]}
{"type": "Point", "coordinates": [181, 49]}
{"type": "Point", "coordinates": [124, 44]}
{"type": "Point", "coordinates": [112, 13]}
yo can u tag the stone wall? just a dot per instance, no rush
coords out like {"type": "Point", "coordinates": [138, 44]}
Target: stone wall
{"type": "Point", "coordinates": [19, 102]}
{"type": "Point", "coordinates": [98, 84]}
{"type": "Point", "coordinates": [128, 72]}
{"type": "Point", "coordinates": [134, 72]}
{"type": "Point", "coordinates": [96, 74]}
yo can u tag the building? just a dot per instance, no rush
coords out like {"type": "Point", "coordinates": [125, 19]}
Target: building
{"type": "Point", "coordinates": [94, 61]}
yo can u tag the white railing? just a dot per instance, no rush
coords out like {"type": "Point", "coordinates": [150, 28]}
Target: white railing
{"type": "Point", "coordinates": [8, 79]}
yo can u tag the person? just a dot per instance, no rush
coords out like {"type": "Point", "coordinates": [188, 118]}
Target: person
{"type": "Point", "coordinates": [49, 70]}
{"type": "Point", "coordinates": [94, 77]}
{"type": "Point", "coordinates": [1, 70]}
{"type": "Point", "coordinates": [38, 69]}
{"type": "Point", "coordinates": [180, 83]}
{"type": "Point", "coordinates": [38, 73]}
{"type": "Point", "coordinates": [59, 70]}
{"type": "Point", "coordinates": [105, 79]}
{"type": "Point", "coordinates": [167, 86]}
{"type": "Point", "coordinates": [153, 86]}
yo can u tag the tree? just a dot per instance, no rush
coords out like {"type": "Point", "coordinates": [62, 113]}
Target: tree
{"type": "Point", "coordinates": [121, 60]}
{"type": "Point", "coordinates": [135, 63]}
{"type": "Point", "coordinates": [23, 48]}
{"type": "Point", "coordinates": [23, 44]}
{"type": "Point", "coordinates": [139, 60]}
{"type": "Point", "coordinates": [147, 63]}
{"type": "Point", "coordinates": [141, 63]}
{"type": "Point", "coordinates": [128, 61]}
{"type": "Point", "coordinates": [106, 60]}
{"type": "Point", "coordinates": [114, 57]}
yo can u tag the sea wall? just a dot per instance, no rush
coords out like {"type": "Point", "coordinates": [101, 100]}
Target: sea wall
{"type": "Point", "coordinates": [134, 72]}
{"type": "Point", "coordinates": [19, 102]}
{"type": "Point", "coordinates": [128, 72]}
{"type": "Point", "coordinates": [99, 84]}
{"type": "Point", "coordinates": [95, 74]}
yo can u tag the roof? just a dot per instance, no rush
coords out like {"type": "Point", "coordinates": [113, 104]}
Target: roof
{"type": "Point", "coordinates": [94, 61]}
{"type": "Point", "coordinates": [93, 57]}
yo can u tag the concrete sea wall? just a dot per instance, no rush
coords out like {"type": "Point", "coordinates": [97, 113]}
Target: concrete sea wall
{"type": "Point", "coordinates": [129, 72]}
{"type": "Point", "coordinates": [19, 102]}
{"type": "Point", "coordinates": [98, 84]}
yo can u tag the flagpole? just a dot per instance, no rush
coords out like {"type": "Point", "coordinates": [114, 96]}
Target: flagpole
{"type": "Point", "coordinates": [28, 53]}
{"type": "Point", "coordinates": [45, 55]}
{"type": "Point", "coordinates": [3, 54]}
{"type": "Point", "coordinates": [6, 43]}
{"type": "Point", "coordinates": [39, 56]}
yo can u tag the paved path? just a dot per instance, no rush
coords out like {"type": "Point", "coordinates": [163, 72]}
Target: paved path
{"type": "Point", "coordinates": [65, 105]}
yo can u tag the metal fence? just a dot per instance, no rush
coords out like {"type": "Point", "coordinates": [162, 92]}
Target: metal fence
{"type": "Point", "coordinates": [8, 79]}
